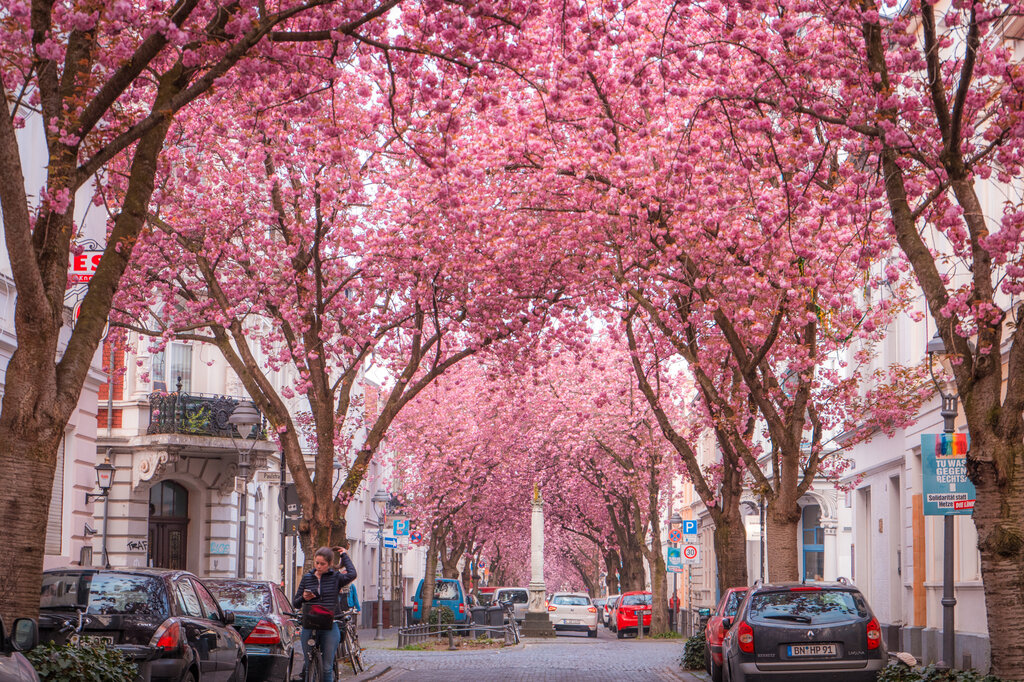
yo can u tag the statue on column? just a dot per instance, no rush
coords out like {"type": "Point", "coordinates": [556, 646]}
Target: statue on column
{"type": "Point", "coordinates": [537, 623]}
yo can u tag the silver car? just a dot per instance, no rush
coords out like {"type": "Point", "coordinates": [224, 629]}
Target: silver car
{"type": "Point", "coordinates": [14, 667]}
{"type": "Point", "coordinates": [519, 596]}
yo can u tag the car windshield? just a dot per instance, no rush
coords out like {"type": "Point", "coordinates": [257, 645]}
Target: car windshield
{"type": "Point", "coordinates": [570, 600]}
{"type": "Point", "coordinates": [636, 600]}
{"type": "Point", "coordinates": [445, 589]}
{"type": "Point", "coordinates": [515, 596]}
{"type": "Point", "coordinates": [105, 593]}
{"type": "Point", "coordinates": [241, 596]}
{"type": "Point", "coordinates": [813, 606]}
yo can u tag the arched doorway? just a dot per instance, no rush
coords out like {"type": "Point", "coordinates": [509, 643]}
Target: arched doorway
{"type": "Point", "coordinates": [168, 525]}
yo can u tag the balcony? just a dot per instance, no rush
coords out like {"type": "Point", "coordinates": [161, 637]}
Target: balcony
{"type": "Point", "coordinates": [196, 414]}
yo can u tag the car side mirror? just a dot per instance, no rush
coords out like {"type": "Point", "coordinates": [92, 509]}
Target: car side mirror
{"type": "Point", "coordinates": [228, 617]}
{"type": "Point", "coordinates": [25, 635]}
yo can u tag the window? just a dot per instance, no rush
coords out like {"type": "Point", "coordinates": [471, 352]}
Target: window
{"type": "Point", "coordinates": [55, 519]}
{"type": "Point", "coordinates": [636, 600]}
{"type": "Point", "coordinates": [168, 365]}
{"type": "Point", "coordinates": [810, 607]}
{"type": "Point", "coordinates": [210, 609]}
{"type": "Point", "coordinates": [188, 600]}
{"type": "Point", "coordinates": [105, 593]}
{"type": "Point", "coordinates": [515, 596]}
{"type": "Point", "coordinates": [814, 543]}
{"type": "Point", "coordinates": [242, 596]}
{"type": "Point", "coordinates": [570, 600]}
{"type": "Point", "coordinates": [168, 498]}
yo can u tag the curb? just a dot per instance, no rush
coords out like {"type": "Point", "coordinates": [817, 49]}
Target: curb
{"type": "Point", "coordinates": [372, 674]}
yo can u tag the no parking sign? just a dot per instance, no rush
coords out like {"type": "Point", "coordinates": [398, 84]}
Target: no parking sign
{"type": "Point", "coordinates": [415, 536]}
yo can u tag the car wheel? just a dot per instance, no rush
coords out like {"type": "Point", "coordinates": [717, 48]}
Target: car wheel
{"type": "Point", "coordinates": [239, 675]}
{"type": "Point", "coordinates": [592, 633]}
{"type": "Point", "coordinates": [715, 671]}
{"type": "Point", "coordinates": [620, 634]}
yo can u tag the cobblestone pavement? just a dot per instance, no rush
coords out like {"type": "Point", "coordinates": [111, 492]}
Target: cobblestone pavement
{"type": "Point", "coordinates": [567, 657]}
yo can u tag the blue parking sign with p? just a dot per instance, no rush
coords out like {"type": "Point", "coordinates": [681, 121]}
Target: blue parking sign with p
{"type": "Point", "coordinates": [401, 526]}
{"type": "Point", "coordinates": [689, 526]}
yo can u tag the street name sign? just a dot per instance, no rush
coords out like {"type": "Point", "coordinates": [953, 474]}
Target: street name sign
{"type": "Point", "coordinates": [947, 490]}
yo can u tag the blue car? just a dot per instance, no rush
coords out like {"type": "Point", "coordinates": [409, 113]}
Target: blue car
{"type": "Point", "coordinates": [447, 592]}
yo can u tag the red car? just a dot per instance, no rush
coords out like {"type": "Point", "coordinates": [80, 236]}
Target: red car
{"type": "Point", "coordinates": [714, 631]}
{"type": "Point", "coordinates": [631, 607]}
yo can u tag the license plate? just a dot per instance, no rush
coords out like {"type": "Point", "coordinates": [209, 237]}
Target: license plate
{"type": "Point", "coordinates": [570, 621]}
{"type": "Point", "coordinates": [105, 639]}
{"type": "Point", "coordinates": [813, 650]}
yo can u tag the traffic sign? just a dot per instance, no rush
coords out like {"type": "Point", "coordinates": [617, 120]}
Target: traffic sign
{"type": "Point", "coordinates": [417, 536]}
{"type": "Point", "coordinates": [401, 526]}
{"type": "Point", "coordinates": [689, 527]}
{"type": "Point", "coordinates": [691, 554]}
{"type": "Point", "coordinates": [675, 535]}
{"type": "Point", "coordinates": [390, 542]}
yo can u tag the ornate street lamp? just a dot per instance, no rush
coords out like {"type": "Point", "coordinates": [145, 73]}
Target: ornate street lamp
{"type": "Point", "coordinates": [104, 479]}
{"type": "Point", "coordinates": [380, 501]}
{"type": "Point", "coordinates": [936, 349]}
{"type": "Point", "coordinates": [245, 418]}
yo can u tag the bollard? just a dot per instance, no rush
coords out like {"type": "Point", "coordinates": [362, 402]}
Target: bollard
{"type": "Point", "coordinates": [451, 640]}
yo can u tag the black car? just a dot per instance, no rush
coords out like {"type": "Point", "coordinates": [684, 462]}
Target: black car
{"type": "Point", "coordinates": [819, 633]}
{"type": "Point", "coordinates": [166, 621]}
{"type": "Point", "coordinates": [265, 620]}
{"type": "Point", "coordinates": [14, 667]}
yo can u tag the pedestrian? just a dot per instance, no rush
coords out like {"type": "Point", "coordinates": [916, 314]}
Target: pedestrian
{"type": "Point", "coordinates": [318, 592]}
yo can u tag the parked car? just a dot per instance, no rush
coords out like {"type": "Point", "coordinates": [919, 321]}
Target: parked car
{"type": "Point", "coordinates": [714, 630]}
{"type": "Point", "coordinates": [574, 612]}
{"type": "Point", "coordinates": [14, 667]}
{"type": "Point", "coordinates": [599, 605]}
{"type": "Point", "coordinates": [166, 621]}
{"type": "Point", "coordinates": [447, 592]}
{"type": "Point", "coordinates": [519, 596]}
{"type": "Point", "coordinates": [486, 595]}
{"type": "Point", "coordinates": [631, 607]}
{"type": "Point", "coordinates": [264, 618]}
{"type": "Point", "coordinates": [802, 632]}
{"type": "Point", "coordinates": [608, 610]}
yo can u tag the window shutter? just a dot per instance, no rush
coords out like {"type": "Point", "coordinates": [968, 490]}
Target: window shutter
{"type": "Point", "coordinates": [54, 522]}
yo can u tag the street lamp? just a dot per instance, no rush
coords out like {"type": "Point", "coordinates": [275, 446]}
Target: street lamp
{"type": "Point", "coordinates": [380, 501]}
{"type": "Point", "coordinates": [936, 349]}
{"type": "Point", "coordinates": [675, 521]}
{"type": "Point", "coordinates": [245, 418]}
{"type": "Point", "coordinates": [104, 479]}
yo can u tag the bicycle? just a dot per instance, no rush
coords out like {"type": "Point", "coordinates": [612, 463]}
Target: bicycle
{"type": "Point", "coordinates": [510, 611]}
{"type": "Point", "coordinates": [348, 646]}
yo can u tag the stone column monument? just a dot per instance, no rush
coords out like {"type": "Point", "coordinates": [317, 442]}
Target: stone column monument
{"type": "Point", "coordinates": [537, 623]}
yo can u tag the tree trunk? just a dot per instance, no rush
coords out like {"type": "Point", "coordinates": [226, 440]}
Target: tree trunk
{"type": "Point", "coordinates": [659, 588]}
{"type": "Point", "coordinates": [28, 466]}
{"type": "Point", "coordinates": [613, 566]}
{"type": "Point", "coordinates": [730, 539]}
{"type": "Point", "coordinates": [427, 593]}
{"type": "Point", "coordinates": [783, 522]}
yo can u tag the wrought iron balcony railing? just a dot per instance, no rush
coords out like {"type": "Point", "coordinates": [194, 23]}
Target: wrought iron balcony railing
{"type": "Point", "coordinates": [197, 414]}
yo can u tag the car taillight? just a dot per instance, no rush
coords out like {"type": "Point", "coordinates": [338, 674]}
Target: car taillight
{"type": "Point", "coordinates": [745, 637]}
{"type": "Point", "coordinates": [718, 634]}
{"type": "Point", "coordinates": [592, 609]}
{"type": "Point", "coordinates": [874, 634]}
{"type": "Point", "coordinates": [265, 632]}
{"type": "Point", "coordinates": [805, 588]}
{"type": "Point", "coordinates": [552, 608]}
{"type": "Point", "coordinates": [167, 636]}
{"type": "Point", "coordinates": [462, 608]}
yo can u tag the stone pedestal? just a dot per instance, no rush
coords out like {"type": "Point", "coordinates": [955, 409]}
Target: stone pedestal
{"type": "Point", "coordinates": [537, 623]}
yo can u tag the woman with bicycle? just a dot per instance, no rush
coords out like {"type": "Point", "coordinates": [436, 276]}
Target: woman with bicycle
{"type": "Point", "coordinates": [317, 597]}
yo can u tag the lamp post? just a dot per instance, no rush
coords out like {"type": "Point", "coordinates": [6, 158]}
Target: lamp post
{"type": "Point", "coordinates": [936, 349]}
{"type": "Point", "coordinates": [380, 501]}
{"type": "Point", "coordinates": [104, 479]}
{"type": "Point", "coordinates": [245, 418]}
{"type": "Point", "coordinates": [675, 521]}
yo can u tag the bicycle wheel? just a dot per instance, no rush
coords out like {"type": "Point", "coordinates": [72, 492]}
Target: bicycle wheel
{"type": "Point", "coordinates": [315, 666]}
{"type": "Point", "coordinates": [350, 657]}
{"type": "Point", "coordinates": [357, 651]}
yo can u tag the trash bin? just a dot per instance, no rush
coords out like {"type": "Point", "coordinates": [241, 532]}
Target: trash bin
{"type": "Point", "coordinates": [495, 616]}
{"type": "Point", "coordinates": [478, 615]}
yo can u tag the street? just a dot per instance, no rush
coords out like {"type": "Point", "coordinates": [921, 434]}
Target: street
{"type": "Point", "coordinates": [570, 656]}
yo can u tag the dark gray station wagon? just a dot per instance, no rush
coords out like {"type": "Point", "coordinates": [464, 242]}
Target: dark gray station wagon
{"type": "Point", "coordinates": [803, 632]}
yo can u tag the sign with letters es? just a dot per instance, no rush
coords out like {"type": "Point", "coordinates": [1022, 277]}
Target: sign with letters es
{"type": "Point", "coordinates": [947, 490]}
{"type": "Point", "coordinates": [82, 266]}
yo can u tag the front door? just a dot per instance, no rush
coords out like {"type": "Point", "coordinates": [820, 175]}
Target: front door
{"type": "Point", "coordinates": [168, 525]}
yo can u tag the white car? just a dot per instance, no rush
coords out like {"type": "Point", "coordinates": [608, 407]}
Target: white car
{"type": "Point", "coordinates": [573, 611]}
